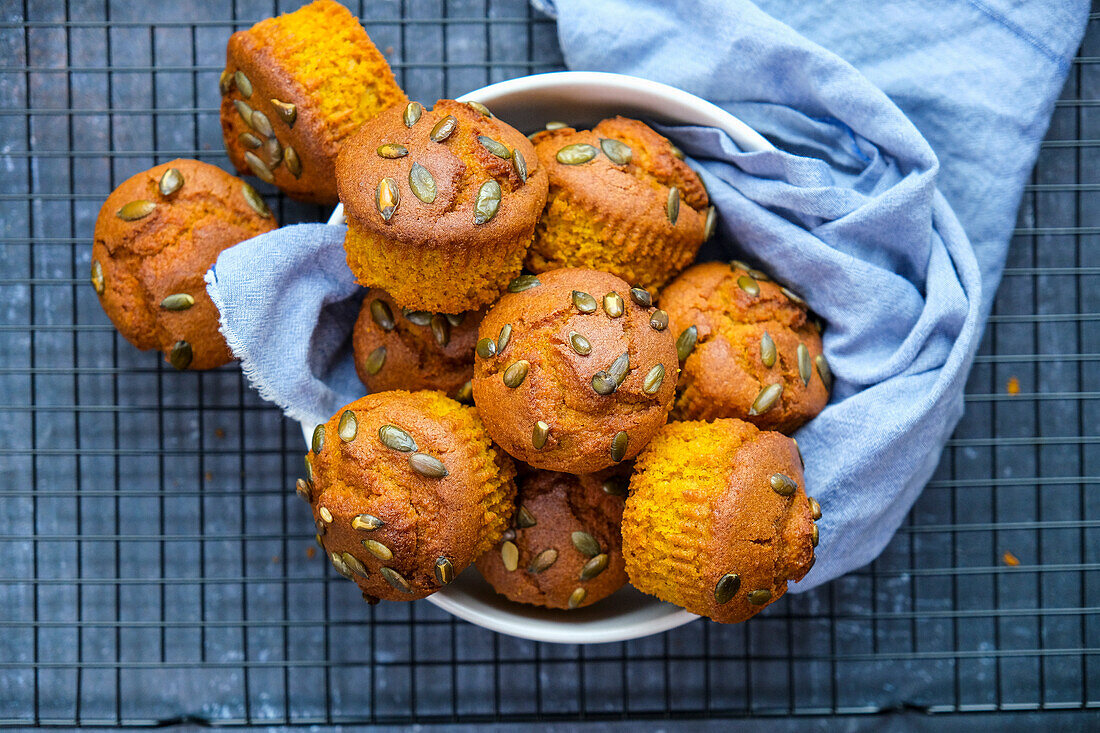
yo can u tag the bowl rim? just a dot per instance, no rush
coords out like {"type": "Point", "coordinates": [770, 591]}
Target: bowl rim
{"type": "Point", "coordinates": [692, 110]}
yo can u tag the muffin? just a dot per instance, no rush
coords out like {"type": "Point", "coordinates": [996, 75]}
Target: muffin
{"type": "Point", "coordinates": [440, 205]}
{"type": "Point", "coordinates": [565, 550]}
{"type": "Point", "coordinates": [748, 347]}
{"type": "Point", "coordinates": [400, 349]}
{"type": "Point", "coordinates": [294, 88]}
{"type": "Point", "coordinates": [620, 201]}
{"type": "Point", "coordinates": [574, 370]}
{"type": "Point", "coordinates": [407, 491]}
{"type": "Point", "coordinates": [718, 520]}
{"type": "Point", "coordinates": [156, 236]}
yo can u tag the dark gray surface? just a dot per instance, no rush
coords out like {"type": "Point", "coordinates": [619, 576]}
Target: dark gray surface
{"type": "Point", "coordinates": [154, 557]}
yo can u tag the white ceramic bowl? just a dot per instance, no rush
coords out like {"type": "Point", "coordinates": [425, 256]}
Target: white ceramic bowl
{"type": "Point", "coordinates": [581, 98]}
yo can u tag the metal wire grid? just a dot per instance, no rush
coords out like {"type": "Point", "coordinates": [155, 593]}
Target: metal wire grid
{"type": "Point", "coordinates": [155, 561]}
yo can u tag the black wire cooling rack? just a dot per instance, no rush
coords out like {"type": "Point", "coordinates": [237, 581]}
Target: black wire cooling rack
{"type": "Point", "coordinates": [153, 557]}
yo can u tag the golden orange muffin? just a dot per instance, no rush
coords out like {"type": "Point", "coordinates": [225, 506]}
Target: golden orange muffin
{"type": "Point", "coordinates": [565, 550]}
{"type": "Point", "coordinates": [401, 349]}
{"type": "Point", "coordinates": [718, 520]}
{"type": "Point", "coordinates": [407, 491]}
{"type": "Point", "coordinates": [620, 201]}
{"type": "Point", "coordinates": [156, 236]}
{"type": "Point", "coordinates": [574, 370]}
{"type": "Point", "coordinates": [295, 87]}
{"type": "Point", "coordinates": [748, 347]}
{"type": "Point", "coordinates": [440, 205]}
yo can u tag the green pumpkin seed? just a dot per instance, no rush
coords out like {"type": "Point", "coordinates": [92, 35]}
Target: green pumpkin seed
{"type": "Point", "coordinates": [516, 373]}
{"type": "Point", "coordinates": [767, 350]}
{"type": "Point", "coordinates": [443, 129]}
{"type": "Point", "coordinates": [580, 344]}
{"type": "Point", "coordinates": [348, 426]}
{"type": "Point", "coordinates": [615, 486]}
{"type": "Point", "coordinates": [496, 148]}
{"type": "Point", "coordinates": [617, 152]}
{"type": "Point", "coordinates": [504, 337]}
{"type": "Point", "coordinates": [374, 361]}
{"type": "Point", "coordinates": [543, 561]}
{"type": "Point", "coordinates": [255, 200]}
{"type": "Point", "coordinates": [249, 140]}
{"type": "Point", "coordinates": [815, 508]}
{"type": "Point", "coordinates": [326, 515]}
{"type": "Point", "coordinates": [261, 124]}
{"type": "Point", "coordinates": [417, 318]}
{"type": "Point", "coordinates": [711, 223]}
{"type": "Point", "coordinates": [177, 302]}
{"type": "Point", "coordinates": [805, 366]}
{"type": "Point", "coordinates": [584, 302]}
{"type": "Point", "coordinates": [524, 517]}
{"type": "Point", "coordinates": [766, 399]}
{"type": "Point", "coordinates": [366, 522]}
{"type": "Point", "coordinates": [815, 536]}
{"type": "Point", "coordinates": [258, 167]}
{"type": "Point", "coordinates": [783, 484]}
{"type": "Point", "coordinates": [594, 567]}
{"type": "Point", "coordinates": [379, 550]}
{"type": "Point", "coordinates": [618, 446]}
{"type": "Point", "coordinates": [292, 162]}
{"type": "Point", "coordinates": [244, 110]}
{"type": "Point", "coordinates": [659, 320]}
{"type": "Point", "coordinates": [412, 113]}
{"type": "Point", "coordinates": [672, 207]}
{"type": "Point", "coordinates": [556, 125]}
{"type": "Point", "coordinates": [444, 570]}
{"type": "Point", "coordinates": [286, 111]}
{"type": "Point", "coordinates": [653, 379]}
{"type": "Point", "coordinates": [488, 202]}
{"type": "Point", "coordinates": [170, 182]}
{"type": "Point", "coordinates": [225, 82]}
{"type": "Point", "coordinates": [642, 297]}
{"type": "Point", "coordinates": [395, 579]}
{"type": "Point", "coordinates": [577, 597]}
{"type": "Point", "coordinates": [726, 588]}
{"type": "Point", "coordinates": [603, 383]}
{"type": "Point", "coordinates": [381, 314]}
{"type": "Point", "coordinates": [441, 329]}
{"type": "Point", "coordinates": [98, 282]}
{"type": "Point", "coordinates": [576, 154]}
{"type": "Point", "coordinates": [740, 265]}
{"type": "Point", "coordinates": [465, 393]}
{"type": "Point", "coordinates": [519, 165]}
{"type": "Point", "coordinates": [486, 348]}
{"type": "Point", "coordinates": [676, 151]}
{"type": "Point", "coordinates": [509, 555]}
{"type": "Point", "coordinates": [585, 543]}
{"type": "Point", "coordinates": [792, 296]}
{"type": "Point", "coordinates": [273, 149]}
{"type": "Point", "coordinates": [309, 468]}
{"type": "Point", "coordinates": [759, 597]}
{"type": "Point", "coordinates": [341, 566]}
{"type": "Point", "coordinates": [318, 442]}
{"type": "Point", "coordinates": [180, 356]}
{"type": "Point", "coordinates": [824, 370]}
{"type": "Point", "coordinates": [759, 275]}
{"type": "Point", "coordinates": [480, 108]}
{"type": "Point", "coordinates": [539, 435]}
{"type": "Point", "coordinates": [422, 183]}
{"type": "Point", "coordinates": [455, 319]}
{"type": "Point", "coordinates": [136, 210]}
{"type": "Point", "coordinates": [397, 439]}
{"type": "Point", "coordinates": [749, 285]}
{"type": "Point", "coordinates": [620, 368]}
{"type": "Point", "coordinates": [354, 565]}
{"type": "Point", "coordinates": [685, 343]}
{"type": "Point", "coordinates": [429, 466]}
{"type": "Point", "coordinates": [386, 198]}
{"type": "Point", "coordinates": [801, 460]}
{"type": "Point", "coordinates": [243, 83]}
{"type": "Point", "coordinates": [613, 304]}
{"type": "Point", "coordinates": [523, 282]}
{"type": "Point", "coordinates": [392, 150]}
{"type": "Point", "coordinates": [303, 490]}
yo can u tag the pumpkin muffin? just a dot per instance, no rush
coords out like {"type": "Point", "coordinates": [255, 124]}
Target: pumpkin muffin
{"type": "Point", "coordinates": [156, 236]}
{"type": "Point", "coordinates": [718, 520]}
{"type": "Point", "coordinates": [620, 201]}
{"type": "Point", "coordinates": [574, 370]}
{"type": "Point", "coordinates": [401, 349]}
{"type": "Point", "coordinates": [294, 88]}
{"type": "Point", "coordinates": [748, 346]}
{"type": "Point", "coordinates": [440, 205]}
{"type": "Point", "coordinates": [565, 550]}
{"type": "Point", "coordinates": [407, 491]}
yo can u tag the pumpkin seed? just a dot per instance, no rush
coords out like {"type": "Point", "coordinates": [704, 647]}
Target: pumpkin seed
{"type": "Point", "coordinates": [480, 108]}
{"type": "Point", "coordinates": [386, 198]}
{"type": "Point", "coordinates": [486, 348]}
{"type": "Point", "coordinates": [543, 561]}
{"type": "Point", "coordinates": [740, 265]}
{"type": "Point", "coordinates": [441, 329]}
{"type": "Point", "coordinates": [618, 446]}
{"type": "Point", "coordinates": [523, 282]}
{"type": "Point", "coordinates": [767, 350]}
{"type": "Point", "coordinates": [584, 302]}
{"type": "Point", "coordinates": [258, 167]}
{"type": "Point", "coordinates": [496, 148]}
{"type": "Point", "coordinates": [366, 522]}
{"type": "Point", "coordinates": [766, 399]}
{"type": "Point", "coordinates": [170, 182]}
{"type": "Point", "coordinates": [556, 125]}
{"type": "Point", "coordinates": [642, 297]}
{"type": "Point", "coordinates": [711, 223]}
{"type": "Point", "coordinates": [653, 379]}
{"type": "Point", "coordinates": [417, 318]}
{"type": "Point", "coordinates": [801, 460]}
{"type": "Point", "coordinates": [594, 567]}
{"type": "Point", "coordinates": [615, 486]}
{"type": "Point", "coordinates": [603, 383]}
{"type": "Point", "coordinates": [443, 129]}
{"type": "Point", "coordinates": [136, 210]}
{"type": "Point", "coordinates": [397, 439]}
{"type": "Point", "coordinates": [519, 165]}
{"type": "Point", "coordinates": [620, 368]}
{"type": "Point", "coordinates": [303, 490]}
{"type": "Point", "coordinates": [326, 515]}
{"type": "Point", "coordinates": [340, 565]}
{"type": "Point", "coordinates": [815, 536]}
{"type": "Point", "coordinates": [783, 484]}
{"type": "Point", "coordinates": [455, 319]}
{"type": "Point", "coordinates": [318, 442]}
{"type": "Point", "coordinates": [509, 555]}
{"type": "Point", "coordinates": [659, 320]}
{"type": "Point", "coordinates": [392, 150]}
{"type": "Point", "coordinates": [676, 151]}
{"type": "Point", "coordinates": [516, 373]}
{"type": "Point", "coordinates": [465, 393]}
{"type": "Point", "coordinates": [585, 543]}
{"type": "Point", "coordinates": [792, 296]}
{"type": "Point", "coordinates": [805, 367]}
{"type": "Point", "coordinates": [322, 528]}
{"type": "Point", "coordinates": [97, 277]}
{"type": "Point", "coordinates": [177, 302]}
{"type": "Point", "coordinates": [354, 565]}
{"type": "Point", "coordinates": [617, 152]}
{"type": "Point", "coordinates": [395, 579]}
{"type": "Point", "coordinates": [429, 466]}
{"type": "Point", "coordinates": [292, 162]}
{"type": "Point", "coordinates": [243, 83]}
{"type": "Point", "coordinates": [726, 588]}
{"type": "Point", "coordinates": [686, 342]}
{"type": "Point", "coordinates": [374, 361]}
{"type": "Point", "coordinates": [444, 570]}
{"type": "Point", "coordinates": [824, 370]}
{"type": "Point", "coordinates": [381, 314]}
{"type": "Point", "coordinates": [287, 111]}
{"type": "Point", "coordinates": [672, 207]}
{"type": "Point", "coordinates": [576, 154]}
{"type": "Point", "coordinates": [508, 534]}
{"type": "Point", "coordinates": [254, 200]}
{"type": "Point", "coordinates": [539, 435]}
{"type": "Point", "coordinates": [225, 82]}
{"type": "Point", "coordinates": [422, 183]}
{"type": "Point", "coordinates": [504, 337]}
{"type": "Point", "coordinates": [379, 550]}
{"type": "Point", "coordinates": [577, 597]}
{"type": "Point", "coordinates": [613, 304]}
{"type": "Point", "coordinates": [759, 275]}
{"type": "Point", "coordinates": [261, 124]}
{"type": "Point", "coordinates": [348, 426]}
{"type": "Point", "coordinates": [749, 285]}
{"type": "Point", "coordinates": [273, 149]}
{"type": "Point", "coordinates": [181, 354]}
{"type": "Point", "coordinates": [760, 597]}
{"type": "Point", "coordinates": [249, 140]}
{"type": "Point", "coordinates": [244, 110]}
{"type": "Point", "coordinates": [524, 517]}
{"type": "Point", "coordinates": [488, 202]}
{"type": "Point", "coordinates": [412, 113]}
{"type": "Point", "coordinates": [815, 508]}
{"type": "Point", "coordinates": [580, 344]}
{"type": "Point", "coordinates": [309, 468]}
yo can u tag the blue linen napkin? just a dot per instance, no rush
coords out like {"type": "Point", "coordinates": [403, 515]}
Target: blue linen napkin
{"type": "Point", "coordinates": [855, 211]}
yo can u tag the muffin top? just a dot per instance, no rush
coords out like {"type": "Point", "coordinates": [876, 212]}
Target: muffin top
{"type": "Point", "coordinates": [718, 520]}
{"type": "Point", "coordinates": [406, 491]}
{"type": "Point", "coordinates": [573, 371]}
{"type": "Point", "coordinates": [756, 356]}
{"type": "Point", "coordinates": [155, 237]}
{"type": "Point", "coordinates": [451, 180]}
